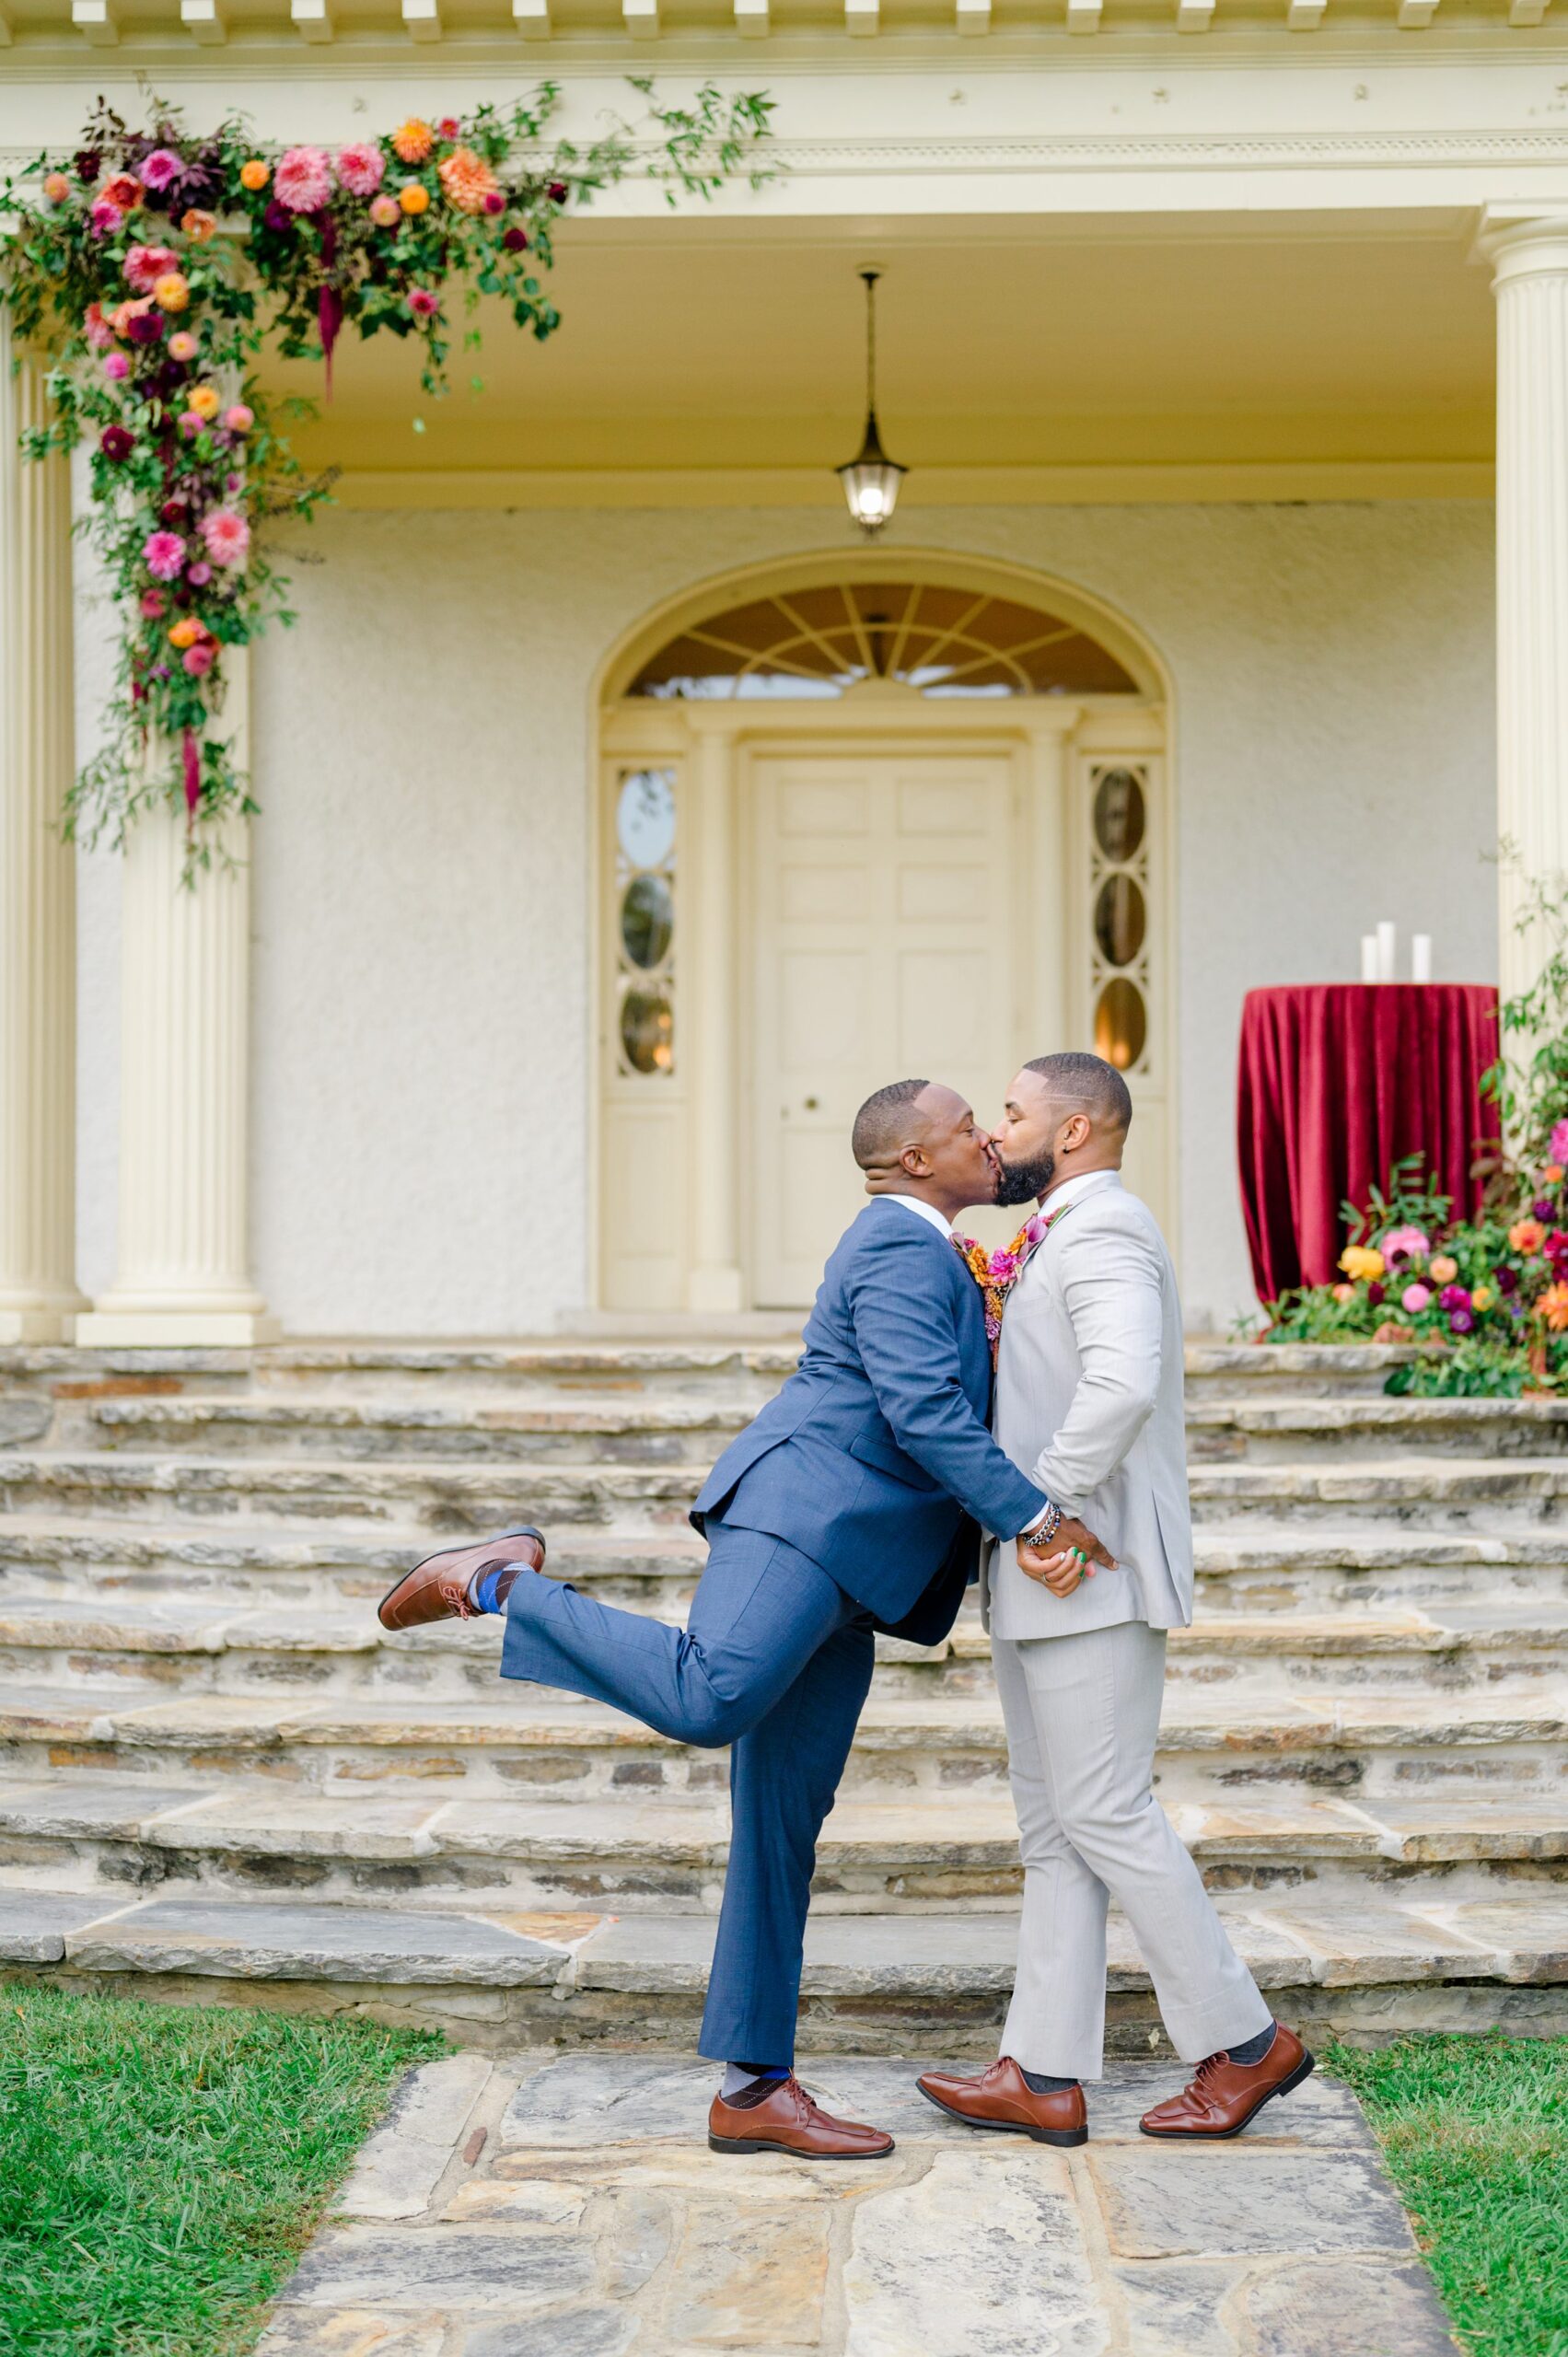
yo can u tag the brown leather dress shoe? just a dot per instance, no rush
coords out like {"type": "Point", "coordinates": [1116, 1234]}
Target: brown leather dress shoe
{"type": "Point", "coordinates": [437, 1589]}
{"type": "Point", "coordinates": [785, 2120]}
{"type": "Point", "coordinates": [1225, 2095]}
{"type": "Point", "coordinates": [1001, 2097]}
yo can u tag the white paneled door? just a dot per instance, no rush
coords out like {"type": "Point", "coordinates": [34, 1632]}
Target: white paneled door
{"type": "Point", "coordinates": [883, 947]}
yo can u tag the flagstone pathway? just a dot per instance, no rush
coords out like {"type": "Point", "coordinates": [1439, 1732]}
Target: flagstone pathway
{"type": "Point", "coordinates": [569, 2207]}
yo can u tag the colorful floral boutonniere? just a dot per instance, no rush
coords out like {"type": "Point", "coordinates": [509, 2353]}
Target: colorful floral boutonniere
{"type": "Point", "coordinates": [997, 1272]}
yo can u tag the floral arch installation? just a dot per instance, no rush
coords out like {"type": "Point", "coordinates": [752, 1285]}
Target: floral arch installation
{"type": "Point", "coordinates": [940, 639]}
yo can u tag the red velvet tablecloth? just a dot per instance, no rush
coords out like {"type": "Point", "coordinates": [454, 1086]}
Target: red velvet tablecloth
{"type": "Point", "coordinates": [1338, 1082]}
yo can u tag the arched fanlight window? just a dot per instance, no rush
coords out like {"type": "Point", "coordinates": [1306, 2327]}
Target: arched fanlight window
{"type": "Point", "coordinates": [945, 642]}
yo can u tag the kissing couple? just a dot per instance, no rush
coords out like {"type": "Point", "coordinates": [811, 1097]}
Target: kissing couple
{"type": "Point", "coordinates": [864, 1497]}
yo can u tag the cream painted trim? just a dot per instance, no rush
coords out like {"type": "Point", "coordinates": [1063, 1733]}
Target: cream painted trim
{"type": "Point", "coordinates": [1155, 484]}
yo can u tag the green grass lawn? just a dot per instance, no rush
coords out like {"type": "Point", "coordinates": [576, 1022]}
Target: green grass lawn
{"type": "Point", "coordinates": [161, 2168]}
{"type": "Point", "coordinates": [1475, 2134]}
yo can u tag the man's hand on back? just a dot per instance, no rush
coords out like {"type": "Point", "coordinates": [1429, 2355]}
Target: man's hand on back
{"type": "Point", "coordinates": [1074, 1551]}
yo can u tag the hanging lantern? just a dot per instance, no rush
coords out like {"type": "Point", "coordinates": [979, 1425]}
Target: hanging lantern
{"type": "Point", "coordinates": [871, 479]}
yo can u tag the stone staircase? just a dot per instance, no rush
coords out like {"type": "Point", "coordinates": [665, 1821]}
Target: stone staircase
{"type": "Point", "coordinates": [220, 1773]}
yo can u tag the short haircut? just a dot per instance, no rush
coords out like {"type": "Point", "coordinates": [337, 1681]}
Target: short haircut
{"type": "Point", "coordinates": [1088, 1085]}
{"type": "Point", "coordinates": [879, 1126]}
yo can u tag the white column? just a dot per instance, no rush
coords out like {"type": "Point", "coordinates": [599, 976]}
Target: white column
{"type": "Point", "coordinates": [37, 882]}
{"type": "Point", "coordinates": [1529, 260]}
{"type": "Point", "coordinates": [706, 1002]}
{"type": "Point", "coordinates": [183, 1272]}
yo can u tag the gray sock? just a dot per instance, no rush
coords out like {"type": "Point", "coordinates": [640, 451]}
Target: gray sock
{"type": "Point", "coordinates": [1252, 2050]}
{"type": "Point", "coordinates": [1041, 2082]}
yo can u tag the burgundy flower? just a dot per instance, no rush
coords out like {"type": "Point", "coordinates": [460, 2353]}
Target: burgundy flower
{"type": "Point", "coordinates": [515, 241]}
{"type": "Point", "coordinates": [1375, 1294]}
{"type": "Point", "coordinates": [558, 191]}
{"type": "Point", "coordinates": [88, 163]}
{"type": "Point", "coordinates": [1461, 1321]}
{"type": "Point", "coordinates": [1544, 1208]}
{"type": "Point", "coordinates": [146, 327]}
{"type": "Point", "coordinates": [174, 511]}
{"type": "Point", "coordinates": [1454, 1297]}
{"type": "Point", "coordinates": [277, 216]}
{"type": "Point", "coordinates": [116, 442]}
{"type": "Point", "coordinates": [1506, 1278]}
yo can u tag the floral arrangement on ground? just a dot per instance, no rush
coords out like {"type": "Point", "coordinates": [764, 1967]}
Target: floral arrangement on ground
{"type": "Point", "coordinates": [1485, 1299]}
{"type": "Point", "coordinates": [152, 266]}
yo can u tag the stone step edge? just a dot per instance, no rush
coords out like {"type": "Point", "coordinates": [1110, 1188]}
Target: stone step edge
{"type": "Point", "coordinates": [194, 1631]}
{"type": "Point", "coordinates": [1282, 1722]}
{"type": "Point", "coordinates": [28, 1535]}
{"type": "Point", "coordinates": [1286, 1946]}
{"type": "Point", "coordinates": [242, 1817]}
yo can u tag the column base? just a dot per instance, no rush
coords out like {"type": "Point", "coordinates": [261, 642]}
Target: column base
{"type": "Point", "coordinates": [37, 1325]}
{"type": "Point", "coordinates": [174, 1330]}
{"type": "Point", "coordinates": [715, 1291]}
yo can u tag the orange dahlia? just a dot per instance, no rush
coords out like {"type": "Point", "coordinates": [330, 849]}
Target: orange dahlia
{"type": "Point", "coordinates": [412, 140]}
{"type": "Point", "coordinates": [255, 174]}
{"type": "Point", "coordinates": [186, 632]}
{"type": "Point", "coordinates": [414, 197]}
{"type": "Point", "coordinates": [1553, 1307]}
{"type": "Point", "coordinates": [467, 179]}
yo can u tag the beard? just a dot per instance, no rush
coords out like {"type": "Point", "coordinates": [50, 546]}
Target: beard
{"type": "Point", "coordinates": [1019, 1182]}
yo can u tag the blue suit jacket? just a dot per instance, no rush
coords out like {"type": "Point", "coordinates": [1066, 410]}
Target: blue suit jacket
{"type": "Point", "coordinates": [874, 1458]}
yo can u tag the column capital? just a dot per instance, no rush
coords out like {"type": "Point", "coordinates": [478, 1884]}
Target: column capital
{"type": "Point", "coordinates": [1519, 240]}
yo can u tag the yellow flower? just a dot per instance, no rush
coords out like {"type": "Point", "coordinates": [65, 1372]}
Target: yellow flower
{"type": "Point", "coordinates": [1482, 1297]}
{"type": "Point", "coordinates": [171, 292]}
{"type": "Point", "coordinates": [205, 400]}
{"type": "Point", "coordinates": [1443, 1269]}
{"type": "Point", "coordinates": [255, 174]}
{"type": "Point", "coordinates": [1359, 1260]}
{"type": "Point", "coordinates": [414, 197]}
{"type": "Point", "coordinates": [467, 179]}
{"type": "Point", "coordinates": [185, 633]}
{"type": "Point", "coordinates": [412, 140]}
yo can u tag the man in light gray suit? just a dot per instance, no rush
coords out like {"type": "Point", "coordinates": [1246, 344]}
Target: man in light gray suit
{"type": "Point", "coordinates": [1089, 1405]}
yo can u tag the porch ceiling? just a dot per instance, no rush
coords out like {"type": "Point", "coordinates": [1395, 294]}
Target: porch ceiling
{"type": "Point", "coordinates": [701, 348]}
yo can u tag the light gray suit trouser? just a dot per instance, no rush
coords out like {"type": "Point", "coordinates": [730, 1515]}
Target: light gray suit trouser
{"type": "Point", "coordinates": [1083, 1718]}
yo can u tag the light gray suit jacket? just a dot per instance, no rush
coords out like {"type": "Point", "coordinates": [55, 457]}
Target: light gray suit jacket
{"type": "Point", "coordinates": [1089, 1405]}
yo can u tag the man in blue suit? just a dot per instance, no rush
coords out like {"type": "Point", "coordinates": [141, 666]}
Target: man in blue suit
{"type": "Point", "coordinates": [851, 1504]}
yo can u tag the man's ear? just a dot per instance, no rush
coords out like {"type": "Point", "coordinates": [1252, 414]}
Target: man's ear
{"type": "Point", "coordinates": [913, 1161]}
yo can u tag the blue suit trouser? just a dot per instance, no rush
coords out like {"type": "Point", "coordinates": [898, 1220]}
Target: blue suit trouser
{"type": "Point", "coordinates": [776, 1662]}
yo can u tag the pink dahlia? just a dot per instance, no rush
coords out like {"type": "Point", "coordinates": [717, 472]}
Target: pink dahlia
{"type": "Point", "coordinates": [155, 604]}
{"type": "Point", "coordinates": [105, 218]}
{"type": "Point", "coordinates": [165, 556]}
{"type": "Point", "coordinates": [95, 328]}
{"type": "Point", "coordinates": [199, 574]}
{"type": "Point", "coordinates": [239, 418]}
{"type": "Point", "coordinates": [228, 537]}
{"type": "Point", "coordinates": [386, 211]}
{"type": "Point", "coordinates": [423, 302]}
{"type": "Point", "coordinates": [199, 659]}
{"type": "Point", "coordinates": [1559, 1147]}
{"type": "Point", "coordinates": [182, 344]}
{"type": "Point", "coordinates": [116, 366]}
{"type": "Point", "coordinates": [160, 169]}
{"type": "Point", "coordinates": [303, 180]}
{"type": "Point", "coordinates": [360, 167]}
{"type": "Point", "coordinates": [1403, 1244]}
{"type": "Point", "coordinates": [1416, 1297]}
{"type": "Point", "coordinates": [144, 265]}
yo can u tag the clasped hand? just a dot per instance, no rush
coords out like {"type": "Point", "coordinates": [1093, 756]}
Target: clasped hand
{"type": "Point", "coordinates": [1075, 1553]}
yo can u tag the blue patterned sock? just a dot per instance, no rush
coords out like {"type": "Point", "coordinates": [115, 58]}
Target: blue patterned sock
{"type": "Point", "coordinates": [489, 1590]}
{"type": "Point", "coordinates": [740, 2077]}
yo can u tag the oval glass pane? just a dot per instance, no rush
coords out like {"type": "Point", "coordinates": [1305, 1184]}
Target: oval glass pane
{"type": "Point", "coordinates": [1120, 1028]}
{"type": "Point", "coordinates": [1118, 815]}
{"type": "Point", "coordinates": [1121, 920]}
{"type": "Point", "coordinates": [644, 817]}
{"type": "Point", "coordinates": [647, 920]}
{"type": "Point", "coordinates": [647, 1031]}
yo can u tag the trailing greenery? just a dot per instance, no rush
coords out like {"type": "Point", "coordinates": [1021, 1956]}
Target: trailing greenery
{"type": "Point", "coordinates": [161, 2170]}
{"type": "Point", "coordinates": [1474, 2131]}
{"type": "Point", "coordinates": [1487, 1298]}
{"type": "Point", "coordinates": [153, 266]}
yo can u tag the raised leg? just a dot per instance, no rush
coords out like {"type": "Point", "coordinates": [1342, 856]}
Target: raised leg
{"type": "Point", "coordinates": [759, 1613]}
{"type": "Point", "coordinates": [783, 1774]}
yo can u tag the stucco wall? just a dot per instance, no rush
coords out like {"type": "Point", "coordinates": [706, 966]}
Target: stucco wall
{"type": "Point", "coordinates": [423, 1066]}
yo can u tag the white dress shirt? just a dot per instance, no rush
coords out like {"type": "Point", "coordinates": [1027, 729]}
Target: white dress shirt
{"type": "Point", "coordinates": [944, 1228]}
